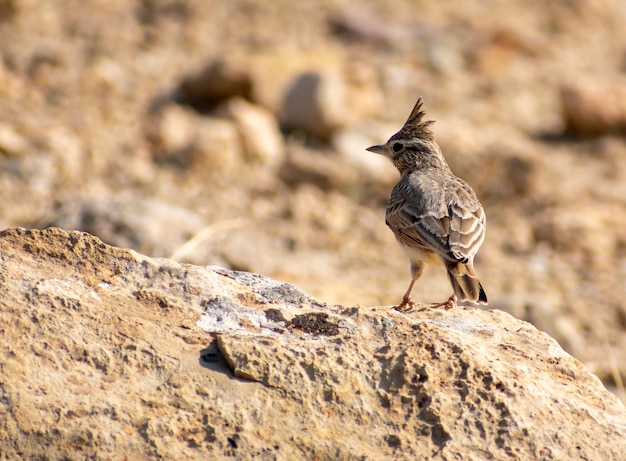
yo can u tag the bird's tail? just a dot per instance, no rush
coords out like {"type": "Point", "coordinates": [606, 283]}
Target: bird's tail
{"type": "Point", "coordinates": [465, 284]}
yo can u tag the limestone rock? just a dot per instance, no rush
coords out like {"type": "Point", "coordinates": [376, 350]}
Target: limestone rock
{"type": "Point", "coordinates": [243, 130]}
{"type": "Point", "coordinates": [261, 137]}
{"type": "Point", "coordinates": [182, 136]}
{"type": "Point", "coordinates": [218, 146]}
{"type": "Point", "coordinates": [109, 354]}
{"type": "Point", "coordinates": [315, 103]}
{"type": "Point", "coordinates": [173, 130]}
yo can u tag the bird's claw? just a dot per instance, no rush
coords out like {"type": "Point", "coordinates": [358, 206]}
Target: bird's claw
{"type": "Point", "coordinates": [449, 304]}
{"type": "Point", "coordinates": [407, 305]}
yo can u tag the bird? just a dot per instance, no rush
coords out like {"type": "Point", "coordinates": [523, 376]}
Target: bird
{"type": "Point", "coordinates": [435, 216]}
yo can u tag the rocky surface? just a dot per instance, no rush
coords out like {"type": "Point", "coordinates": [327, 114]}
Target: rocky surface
{"type": "Point", "coordinates": [109, 354]}
{"type": "Point", "coordinates": [233, 133]}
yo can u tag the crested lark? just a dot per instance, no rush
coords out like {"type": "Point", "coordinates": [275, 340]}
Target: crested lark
{"type": "Point", "coordinates": [434, 215]}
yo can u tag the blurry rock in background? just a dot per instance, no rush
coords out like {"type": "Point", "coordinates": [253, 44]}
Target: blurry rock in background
{"type": "Point", "coordinates": [260, 135]}
{"type": "Point", "coordinates": [594, 107]}
{"type": "Point", "coordinates": [315, 104]}
{"type": "Point", "coordinates": [181, 136]}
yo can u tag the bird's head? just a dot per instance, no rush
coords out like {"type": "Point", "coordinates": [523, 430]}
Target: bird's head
{"type": "Point", "coordinates": [414, 146]}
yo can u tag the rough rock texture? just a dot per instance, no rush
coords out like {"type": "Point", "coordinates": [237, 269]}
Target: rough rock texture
{"type": "Point", "coordinates": [106, 353]}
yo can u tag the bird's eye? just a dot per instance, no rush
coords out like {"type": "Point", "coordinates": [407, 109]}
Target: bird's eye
{"type": "Point", "coordinates": [397, 147]}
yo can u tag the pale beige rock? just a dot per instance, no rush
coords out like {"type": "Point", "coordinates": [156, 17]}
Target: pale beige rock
{"type": "Point", "coordinates": [274, 71]}
{"type": "Point", "coordinates": [109, 354]}
{"type": "Point", "coordinates": [316, 103]}
{"type": "Point", "coordinates": [217, 147]}
{"type": "Point", "coordinates": [261, 137]}
{"type": "Point", "coordinates": [175, 129]}
{"type": "Point", "coordinates": [181, 135]}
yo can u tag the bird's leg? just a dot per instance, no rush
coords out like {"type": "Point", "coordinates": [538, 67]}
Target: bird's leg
{"type": "Point", "coordinates": [449, 304]}
{"type": "Point", "coordinates": [407, 304]}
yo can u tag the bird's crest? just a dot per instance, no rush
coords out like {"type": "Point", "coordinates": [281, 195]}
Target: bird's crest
{"type": "Point", "coordinates": [414, 127]}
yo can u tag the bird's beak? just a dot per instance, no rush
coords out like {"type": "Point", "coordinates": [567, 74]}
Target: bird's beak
{"type": "Point", "coordinates": [377, 149]}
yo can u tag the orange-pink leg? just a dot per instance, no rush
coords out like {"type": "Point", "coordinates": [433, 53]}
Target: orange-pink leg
{"type": "Point", "coordinates": [416, 271]}
{"type": "Point", "coordinates": [407, 304]}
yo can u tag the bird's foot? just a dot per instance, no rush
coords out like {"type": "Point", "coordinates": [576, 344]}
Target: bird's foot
{"type": "Point", "coordinates": [407, 305]}
{"type": "Point", "coordinates": [449, 304]}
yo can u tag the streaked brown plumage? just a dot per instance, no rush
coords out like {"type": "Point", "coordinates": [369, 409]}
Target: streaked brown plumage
{"type": "Point", "coordinates": [434, 215]}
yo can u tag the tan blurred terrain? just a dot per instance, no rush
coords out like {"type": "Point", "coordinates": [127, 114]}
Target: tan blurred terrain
{"type": "Point", "coordinates": [245, 124]}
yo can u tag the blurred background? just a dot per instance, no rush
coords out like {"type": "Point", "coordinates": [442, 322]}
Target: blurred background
{"type": "Point", "coordinates": [233, 132]}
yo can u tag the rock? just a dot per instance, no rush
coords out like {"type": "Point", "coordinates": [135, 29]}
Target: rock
{"type": "Point", "coordinates": [243, 131]}
{"type": "Point", "coordinates": [109, 354]}
{"type": "Point", "coordinates": [217, 147]}
{"type": "Point", "coordinates": [261, 137]}
{"type": "Point", "coordinates": [182, 136]}
{"type": "Point", "coordinates": [315, 92]}
{"type": "Point", "coordinates": [274, 71]}
{"type": "Point", "coordinates": [315, 103]}
{"type": "Point", "coordinates": [594, 107]}
{"type": "Point", "coordinates": [173, 130]}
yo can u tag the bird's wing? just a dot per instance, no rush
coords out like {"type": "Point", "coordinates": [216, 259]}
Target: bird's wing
{"type": "Point", "coordinates": [418, 217]}
{"type": "Point", "coordinates": [467, 225]}
{"type": "Point", "coordinates": [444, 218]}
